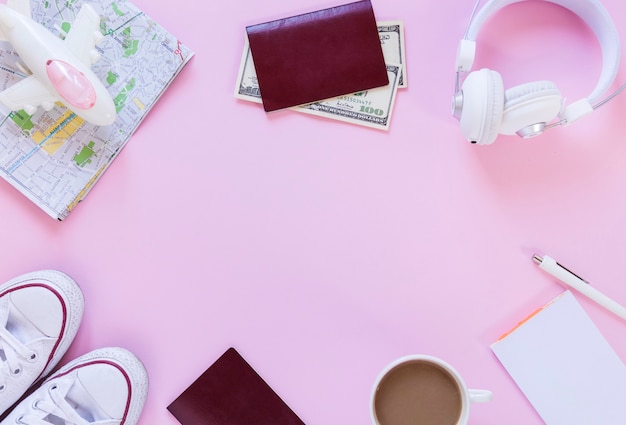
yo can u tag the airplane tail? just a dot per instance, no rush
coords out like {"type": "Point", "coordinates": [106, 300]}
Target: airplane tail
{"type": "Point", "coordinates": [3, 19]}
{"type": "Point", "coordinates": [20, 6]}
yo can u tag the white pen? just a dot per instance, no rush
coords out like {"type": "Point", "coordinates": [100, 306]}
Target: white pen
{"type": "Point", "coordinates": [570, 279]}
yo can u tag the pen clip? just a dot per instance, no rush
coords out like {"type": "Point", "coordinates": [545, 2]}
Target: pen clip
{"type": "Point", "coordinates": [539, 259]}
{"type": "Point", "coordinates": [569, 271]}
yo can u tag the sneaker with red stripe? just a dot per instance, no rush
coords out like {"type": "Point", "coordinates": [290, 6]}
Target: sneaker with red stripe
{"type": "Point", "coordinates": [40, 313]}
{"type": "Point", "coordinates": [107, 386]}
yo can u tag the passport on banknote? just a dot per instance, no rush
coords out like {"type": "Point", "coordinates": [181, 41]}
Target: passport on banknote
{"type": "Point", "coordinates": [317, 55]}
{"type": "Point", "coordinates": [230, 392]}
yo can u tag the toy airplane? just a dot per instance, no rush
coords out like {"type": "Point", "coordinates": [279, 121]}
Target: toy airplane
{"type": "Point", "coordinates": [60, 70]}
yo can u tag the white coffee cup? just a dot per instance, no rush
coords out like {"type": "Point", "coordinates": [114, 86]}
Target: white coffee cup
{"type": "Point", "coordinates": [419, 389]}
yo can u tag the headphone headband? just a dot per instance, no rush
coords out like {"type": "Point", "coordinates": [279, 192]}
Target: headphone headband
{"type": "Point", "coordinates": [592, 12]}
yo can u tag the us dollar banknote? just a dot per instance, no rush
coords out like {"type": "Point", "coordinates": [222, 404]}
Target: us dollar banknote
{"type": "Point", "coordinates": [391, 35]}
{"type": "Point", "coordinates": [370, 108]}
{"type": "Point", "coordinates": [247, 87]}
{"type": "Point", "coordinates": [379, 108]}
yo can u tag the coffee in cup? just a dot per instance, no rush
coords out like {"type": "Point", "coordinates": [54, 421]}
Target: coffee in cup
{"type": "Point", "coordinates": [422, 390]}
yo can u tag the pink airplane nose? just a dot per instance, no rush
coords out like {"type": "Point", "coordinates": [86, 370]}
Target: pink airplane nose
{"type": "Point", "coordinates": [71, 84]}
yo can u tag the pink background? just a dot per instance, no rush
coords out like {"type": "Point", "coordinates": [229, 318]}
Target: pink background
{"type": "Point", "coordinates": [323, 251]}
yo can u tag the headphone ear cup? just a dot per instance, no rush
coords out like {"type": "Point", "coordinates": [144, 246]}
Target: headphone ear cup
{"type": "Point", "coordinates": [529, 104]}
{"type": "Point", "coordinates": [483, 106]}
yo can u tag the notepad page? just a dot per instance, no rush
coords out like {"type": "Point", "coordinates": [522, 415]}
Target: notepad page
{"type": "Point", "coordinates": [565, 367]}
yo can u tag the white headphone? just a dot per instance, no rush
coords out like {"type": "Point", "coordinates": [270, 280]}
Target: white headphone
{"type": "Point", "coordinates": [485, 109]}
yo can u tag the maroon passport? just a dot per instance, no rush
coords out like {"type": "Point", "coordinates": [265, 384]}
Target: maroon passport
{"type": "Point", "coordinates": [318, 55]}
{"type": "Point", "coordinates": [230, 392]}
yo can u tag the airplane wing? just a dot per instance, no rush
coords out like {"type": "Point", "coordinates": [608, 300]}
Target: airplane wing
{"type": "Point", "coordinates": [27, 94]}
{"type": "Point", "coordinates": [84, 35]}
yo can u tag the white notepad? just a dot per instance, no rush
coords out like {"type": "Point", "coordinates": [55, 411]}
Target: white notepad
{"type": "Point", "coordinates": [565, 367]}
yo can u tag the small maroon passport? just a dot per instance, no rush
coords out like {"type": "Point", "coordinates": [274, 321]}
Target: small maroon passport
{"type": "Point", "coordinates": [318, 55]}
{"type": "Point", "coordinates": [230, 392]}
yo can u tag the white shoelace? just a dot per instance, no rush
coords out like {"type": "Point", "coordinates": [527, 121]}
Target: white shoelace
{"type": "Point", "coordinates": [15, 353]}
{"type": "Point", "coordinates": [55, 409]}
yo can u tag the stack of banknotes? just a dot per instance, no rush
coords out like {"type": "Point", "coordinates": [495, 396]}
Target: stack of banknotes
{"type": "Point", "coordinates": [370, 108]}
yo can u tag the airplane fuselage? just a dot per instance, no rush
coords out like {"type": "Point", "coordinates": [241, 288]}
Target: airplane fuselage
{"type": "Point", "coordinates": [57, 68]}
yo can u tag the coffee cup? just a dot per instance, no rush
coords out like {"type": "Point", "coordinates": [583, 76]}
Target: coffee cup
{"type": "Point", "coordinates": [421, 389]}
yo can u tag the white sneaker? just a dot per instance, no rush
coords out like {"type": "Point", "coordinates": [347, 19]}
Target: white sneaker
{"type": "Point", "coordinates": [105, 387]}
{"type": "Point", "coordinates": [40, 313]}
